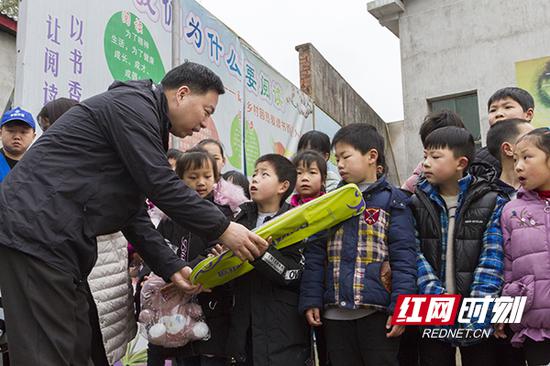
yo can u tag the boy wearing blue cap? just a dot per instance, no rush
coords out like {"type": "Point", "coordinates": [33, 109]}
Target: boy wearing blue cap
{"type": "Point", "coordinates": [17, 131]}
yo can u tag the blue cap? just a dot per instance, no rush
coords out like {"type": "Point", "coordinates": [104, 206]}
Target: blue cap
{"type": "Point", "coordinates": [18, 114]}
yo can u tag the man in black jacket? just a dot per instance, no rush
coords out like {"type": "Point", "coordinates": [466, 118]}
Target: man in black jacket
{"type": "Point", "coordinates": [88, 176]}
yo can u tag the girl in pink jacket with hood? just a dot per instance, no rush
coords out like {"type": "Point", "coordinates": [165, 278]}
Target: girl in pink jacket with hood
{"type": "Point", "coordinates": [526, 230]}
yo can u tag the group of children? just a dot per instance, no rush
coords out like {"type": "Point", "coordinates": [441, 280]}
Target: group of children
{"type": "Point", "coordinates": [471, 223]}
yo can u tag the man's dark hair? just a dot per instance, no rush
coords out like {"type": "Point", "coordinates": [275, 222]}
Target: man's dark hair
{"type": "Point", "coordinates": [315, 140]}
{"type": "Point", "coordinates": [174, 154]}
{"type": "Point", "coordinates": [238, 179]}
{"type": "Point", "coordinates": [524, 99]}
{"type": "Point", "coordinates": [436, 120]}
{"type": "Point", "coordinates": [459, 140]}
{"type": "Point", "coordinates": [196, 158]}
{"type": "Point", "coordinates": [504, 131]}
{"type": "Point", "coordinates": [361, 137]}
{"type": "Point", "coordinates": [307, 157]}
{"type": "Point", "coordinates": [284, 169]}
{"type": "Point", "coordinates": [200, 79]}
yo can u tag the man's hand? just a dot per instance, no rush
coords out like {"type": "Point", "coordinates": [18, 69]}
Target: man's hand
{"type": "Point", "coordinates": [244, 243]}
{"type": "Point", "coordinates": [396, 330]}
{"type": "Point", "coordinates": [313, 317]}
{"type": "Point", "coordinates": [181, 280]}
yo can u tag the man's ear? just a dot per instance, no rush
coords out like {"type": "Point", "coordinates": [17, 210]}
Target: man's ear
{"type": "Point", "coordinates": [529, 114]}
{"type": "Point", "coordinates": [182, 92]}
{"type": "Point", "coordinates": [507, 149]}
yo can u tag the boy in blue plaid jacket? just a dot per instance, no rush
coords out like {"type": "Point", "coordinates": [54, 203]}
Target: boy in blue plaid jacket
{"type": "Point", "coordinates": [459, 238]}
{"type": "Point", "coordinates": [354, 272]}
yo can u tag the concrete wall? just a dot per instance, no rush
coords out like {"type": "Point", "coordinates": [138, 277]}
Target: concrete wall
{"type": "Point", "coordinates": [397, 138]}
{"type": "Point", "coordinates": [7, 67]}
{"type": "Point", "coordinates": [451, 47]}
{"type": "Point", "coordinates": [331, 92]}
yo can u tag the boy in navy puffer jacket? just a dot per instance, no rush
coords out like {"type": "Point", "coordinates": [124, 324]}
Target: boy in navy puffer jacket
{"type": "Point", "coordinates": [355, 271]}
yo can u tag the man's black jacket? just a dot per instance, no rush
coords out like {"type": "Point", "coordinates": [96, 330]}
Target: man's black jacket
{"type": "Point", "coordinates": [89, 175]}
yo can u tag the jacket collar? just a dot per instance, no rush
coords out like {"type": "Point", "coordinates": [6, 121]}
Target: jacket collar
{"type": "Point", "coordinates": [381, 183]}
{"type": "Point", "coordinates": [528, 195]}
{"type": "Point", "coordinates": [162, 107]}
{"type": "Point", "coordinates": [433, 191]}
{"type": "Point", "coordinates": [250, 210]}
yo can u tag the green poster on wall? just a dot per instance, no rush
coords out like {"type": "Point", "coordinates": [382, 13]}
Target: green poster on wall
{"type": "Point", "coordinates": [130, 51]}
{"type": "Point", "coordinates": [534, 76]}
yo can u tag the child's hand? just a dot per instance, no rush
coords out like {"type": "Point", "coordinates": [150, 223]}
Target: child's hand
{"type": "Point", "coordinates": [313, 317]}
{"type": "Point", "coordinates": [269, 242]}
{"type": "Point", "coordinates": [393, 330]}
{"type": "Point", "coordinates": [217, 249]}
{"type": "Point", "coordinates": [499, 331]}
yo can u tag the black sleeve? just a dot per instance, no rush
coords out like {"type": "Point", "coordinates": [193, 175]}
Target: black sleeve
{"type": "Point", "coordinates": [151, 246]}
{"type": "Point", "coordinates": [135, 134]}
{"type": "Point", "coordinates": [284, 266]}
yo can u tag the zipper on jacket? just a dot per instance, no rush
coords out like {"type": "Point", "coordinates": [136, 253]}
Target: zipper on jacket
{"type": "Point", "coordinates": [546, 219]}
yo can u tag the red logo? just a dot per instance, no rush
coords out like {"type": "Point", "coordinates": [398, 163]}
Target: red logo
{"type": "Point", "coordinates": [371, 215]}
{"type": "Point", "coordinates": [426, 310]}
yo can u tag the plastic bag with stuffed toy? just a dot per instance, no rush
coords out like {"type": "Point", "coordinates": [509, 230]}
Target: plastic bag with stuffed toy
{"type": "Point", "coordinates": [170, 317]}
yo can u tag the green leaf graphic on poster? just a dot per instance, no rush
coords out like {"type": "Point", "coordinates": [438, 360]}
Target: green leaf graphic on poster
{"type": "Point", "coordinates": [130, 51]}
{"type": "Point", "coordinates": [252, 147]}
{"type": "Point", "coordinates": [236, 142]}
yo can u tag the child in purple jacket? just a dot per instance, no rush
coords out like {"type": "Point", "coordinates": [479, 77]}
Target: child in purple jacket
{"type": "Point", "coordinates": [526, 229]}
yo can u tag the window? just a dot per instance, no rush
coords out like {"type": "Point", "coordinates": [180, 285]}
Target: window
{"type": "Point", "coordinates": [466, 107]}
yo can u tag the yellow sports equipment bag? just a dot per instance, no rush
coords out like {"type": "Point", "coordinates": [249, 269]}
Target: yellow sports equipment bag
{"type": "Point", "coordinates": [290, 228]}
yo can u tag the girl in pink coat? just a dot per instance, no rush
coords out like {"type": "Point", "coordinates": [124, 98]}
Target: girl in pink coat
{"type": "Point", "coordinates": [526, 230]}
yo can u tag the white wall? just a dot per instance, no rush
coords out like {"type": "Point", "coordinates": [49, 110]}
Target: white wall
{"type": "Point", "coordinates": [397, 140]}
{"type": "Point", "coordinates": [450, 47]}
{"type": "Point", "coordinates": [7, 67]}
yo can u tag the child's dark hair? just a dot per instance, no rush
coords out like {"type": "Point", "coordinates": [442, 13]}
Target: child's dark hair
{"type": "Point", "coordinates": [436, 120]}
{"type": "Point", "coordinates": [196, 158]}
{"type": "Point", "coordinates": [524, 99]}
{"type": "Point", "coordinates": [540, 137]}
{"type": "Point", "coordinates": [315, 140]}
{"type": "Point", "coordinates": [284, 170]}
{"type": "Point", "coordinates": [308, 157]}
{"type": "Point", "coordinates": [239, 179]}
{"type": "Point", "coordinates": [459, 140]}
{"type": "Point", "coordinates": [381, 168]}
{"type": "Point", "coordinates": [504, 131]}
{"type": "Point", "coordinates": [174, 154]}
{"type": "Point", "coordinates": [211, 141]}
{"type": "Point", "coordinates": [361, 137]}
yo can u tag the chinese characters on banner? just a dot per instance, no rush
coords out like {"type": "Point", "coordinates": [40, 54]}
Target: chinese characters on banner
{"type": "Point", "coordinates": [130, 50]}
{"type": "Point", "coordinates": [54, 53]}
{"type": "Point", "coordinates": [262, 112]}
{"type": "Point", "coordinates": [82, 47]}
{"type": "Point", "coordinates": [77, 49]}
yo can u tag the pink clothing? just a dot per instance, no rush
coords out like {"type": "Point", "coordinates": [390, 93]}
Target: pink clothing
{"type": "Point", "coordinates": [526, 233]}
{"type": "Point", "coordinates": [229, 194]}
{"type": "Point", "coordinates": [410, 183]}
{"type": "Point", "coordinates": [296, 200]}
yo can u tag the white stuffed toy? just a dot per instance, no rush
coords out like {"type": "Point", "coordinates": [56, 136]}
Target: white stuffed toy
{"type": "Point", "coordinates": [169, 317]}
